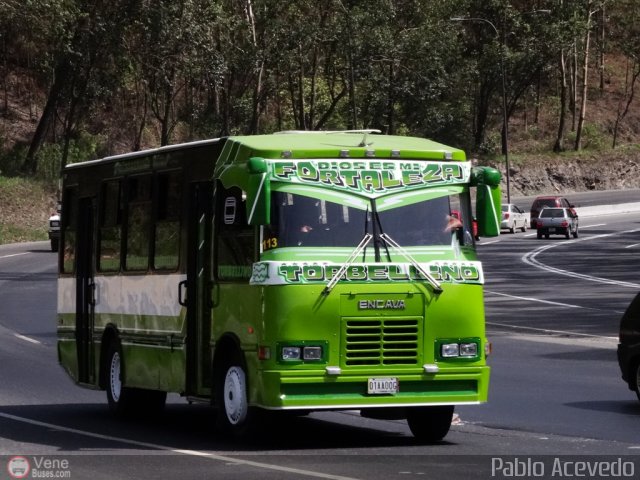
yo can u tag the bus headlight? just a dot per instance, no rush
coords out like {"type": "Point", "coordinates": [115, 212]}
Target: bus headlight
{"type": "Point", "coordinates": [291, 353]}
{"type": "Point", "coordinates": [458, 349]}
{"type": "Point", "coordinates": [468, 349]}
{"type": "Point", "coordinates": [312, 353]}
{"type": "Point", "coordinates": [303, 351]}
{"type": "Point", "coordinates": [449, 350]}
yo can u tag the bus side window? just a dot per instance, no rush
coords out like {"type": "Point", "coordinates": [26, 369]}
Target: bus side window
{"type": "Point", "coordinates": [69, 229]}
{"type": "Point", "coordinates": [235, 239]}
{"type": "Point", "coordinates": [167, 221]}
{"type": "Point", "coordinates": [138, 223]}
{"type": "Point", "coordinates": [110, 227]}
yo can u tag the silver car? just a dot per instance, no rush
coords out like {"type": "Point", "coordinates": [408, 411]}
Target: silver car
{"type": "Point", "coordinates": [557, 221]}
{"type": "Point", "coordinates": [513, 218]}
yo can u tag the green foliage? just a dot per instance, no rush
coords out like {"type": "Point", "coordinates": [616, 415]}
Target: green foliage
{"type": "Point", "coordinates": [148, 72]}
{"type": "Point", "coordinates": [593, 138]}
{"type": "Point", "coordinates": [11, 161]}
{"type": "Point", "coordinates": [49, 157]}
{"type": "Point", "coordinates": [26, 206]}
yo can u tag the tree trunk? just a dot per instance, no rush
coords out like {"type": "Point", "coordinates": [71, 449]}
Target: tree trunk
{"type": "Point", "coordinates": [574, 85]}
{"type": "Point", "coordinates": [301, 120]}
{"type": "Point", "coordinates": [629, 87]}
{"type": "Point", "coordinates": [559, 144]}
{"type": "Point", "coordinates": [313, 93]}
{"type": "Point", "coordinates": [482, 113]}
{"type": "Point", "coordinates": [390, 101]}
{"type": "Point", "coordinates": [585, 83]}
{"type": "Point", "coordinates": [257, 91]}
{"type": "Point", "coordinates": [602, 39]}
{"type": "Point", "coordinates": [60, 78]}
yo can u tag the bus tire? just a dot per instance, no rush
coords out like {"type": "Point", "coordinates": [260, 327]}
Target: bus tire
{"type": "Point", "coordinates": [430, 424]}
{"type": "Point", "coordinates": [124, 401]}
{"type": "Point", "coordinates": [234, 416]}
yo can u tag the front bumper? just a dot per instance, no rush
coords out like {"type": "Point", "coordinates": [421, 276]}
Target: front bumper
{"type": "Point", "coordinates": [316, 390]}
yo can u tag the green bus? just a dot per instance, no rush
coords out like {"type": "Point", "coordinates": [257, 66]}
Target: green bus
{"type": "Point", "coordinates": [296, 271]}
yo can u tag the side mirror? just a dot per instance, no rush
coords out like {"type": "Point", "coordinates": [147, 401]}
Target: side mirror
{"type": "Point", "coordinates": [258, 193]}
{"type": "Point", "coordinates": [487, 181]}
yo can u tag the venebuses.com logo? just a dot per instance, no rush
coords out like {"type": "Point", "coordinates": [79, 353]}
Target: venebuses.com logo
{"type": "Point", "coordinates": [38, 467]}
{"type": "Point", "coordinates": [18, 467]}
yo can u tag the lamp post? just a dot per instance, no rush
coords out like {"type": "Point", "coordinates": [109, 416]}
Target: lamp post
{"type": "Point", "coordinates": [505, 125]}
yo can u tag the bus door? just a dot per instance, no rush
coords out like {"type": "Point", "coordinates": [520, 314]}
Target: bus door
{"type": "Point", "coordinates": [85, 289]}
{"type": "Point", "coordinates": [199, 283]}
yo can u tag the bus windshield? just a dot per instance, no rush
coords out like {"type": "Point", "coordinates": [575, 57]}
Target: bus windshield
{"type": "Point", "coordinates": [301, 221]}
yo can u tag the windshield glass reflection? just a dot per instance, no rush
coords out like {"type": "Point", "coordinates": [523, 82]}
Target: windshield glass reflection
{"type": "Point", "coordinates": [300, 221]}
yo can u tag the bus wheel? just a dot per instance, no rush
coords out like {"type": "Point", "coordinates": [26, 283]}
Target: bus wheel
{"type": "Point", "coordinates": [234, 415]}
{"type": "Point", "coordinates": [430, 424]}
{"type": "Point", "coordinates": [124, 400]}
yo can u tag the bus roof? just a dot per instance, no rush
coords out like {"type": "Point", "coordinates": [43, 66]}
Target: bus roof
{"type": "Point", "coordinates": [308, 144]}
{"type": "Point", "coordinates": [337, 144]}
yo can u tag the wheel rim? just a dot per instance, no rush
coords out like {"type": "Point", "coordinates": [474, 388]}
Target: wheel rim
{"type": "Point", "coordinates": [114, 377]}
{"type": "Point", "coordinates": [235, 395]}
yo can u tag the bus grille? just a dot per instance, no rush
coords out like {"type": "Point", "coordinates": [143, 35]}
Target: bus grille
{"type": "Point", "coordinates": [379, 342]}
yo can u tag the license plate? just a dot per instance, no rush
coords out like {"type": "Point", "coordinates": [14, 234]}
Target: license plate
{"type": "Point", "coordinates": [381, 386]}
{"type": "Point", "coordinates": [552, 230]}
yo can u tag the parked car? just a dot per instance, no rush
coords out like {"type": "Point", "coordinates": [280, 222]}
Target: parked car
{"type": "Point", "coordinates": [629, 346]}
{"type": "Point", "coordinates": [547, 201]}
{"type": "Point", "coordinates": [513, 218]}
{"type": "Point", "coordinates": [557, 221]}
{"type": "Point", "coordinates": [54, 229]}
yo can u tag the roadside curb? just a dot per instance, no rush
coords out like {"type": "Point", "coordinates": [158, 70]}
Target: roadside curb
{"type": "Point", "coordinates": [596, 211]}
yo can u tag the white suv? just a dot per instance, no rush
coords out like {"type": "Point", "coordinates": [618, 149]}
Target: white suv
{"type": "Point", "coordinates": [54, 229]}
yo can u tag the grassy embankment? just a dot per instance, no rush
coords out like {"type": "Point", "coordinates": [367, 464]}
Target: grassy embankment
{"type": "Point", "coordinates": [25, 207]}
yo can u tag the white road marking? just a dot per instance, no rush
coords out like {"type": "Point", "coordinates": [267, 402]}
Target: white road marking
{"type": "Point", "coordinates": [560, 304]}
{"type": "Point", "coordinates": [556, 332]}
{"type": "Point", "coordinates": [582, 227]}
{"type": "Point", "coordinates": [591, 226]}
{"type": "Point", "coordinates": [530, 259]}
{"type": "Point", "coordinates": [531, 299]}
{"type": "Point", "coordinates": [631, 246]}
{"type": "Point", "coordinates": [194, 453]}
{"type": "Point", "coordinates": [14, 255]}
{"type": "Point", "coordinates": [27, 339]}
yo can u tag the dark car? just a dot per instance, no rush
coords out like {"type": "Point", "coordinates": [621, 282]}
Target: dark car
{"type": "Point", "coordinates": [547, 201]}
{"type": "Point", "coordinates": [629, 346]}
{"type": "Point", "coordinates": [557, 221]}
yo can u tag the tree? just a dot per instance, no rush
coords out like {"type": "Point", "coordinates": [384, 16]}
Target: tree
{"type": "Point", "coordinates": [85, 57]}
{"type": "Point", "coordinates": [626, 32]}
{"type": "Point", "coordinates": [585, 72]}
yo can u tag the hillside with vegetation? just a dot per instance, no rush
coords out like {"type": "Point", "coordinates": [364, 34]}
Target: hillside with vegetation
{"type": "Point", "coordinates": [82, 79]}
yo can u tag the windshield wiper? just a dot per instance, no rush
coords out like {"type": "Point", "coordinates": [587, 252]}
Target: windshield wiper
{"type": "Point", "coordinates": [336, 278]}
{"type": "Point", "coordinates": [437, 288]}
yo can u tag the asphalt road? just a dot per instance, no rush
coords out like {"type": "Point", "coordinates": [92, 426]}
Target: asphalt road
{"type": "Point", "coordinates": [553, 307]}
